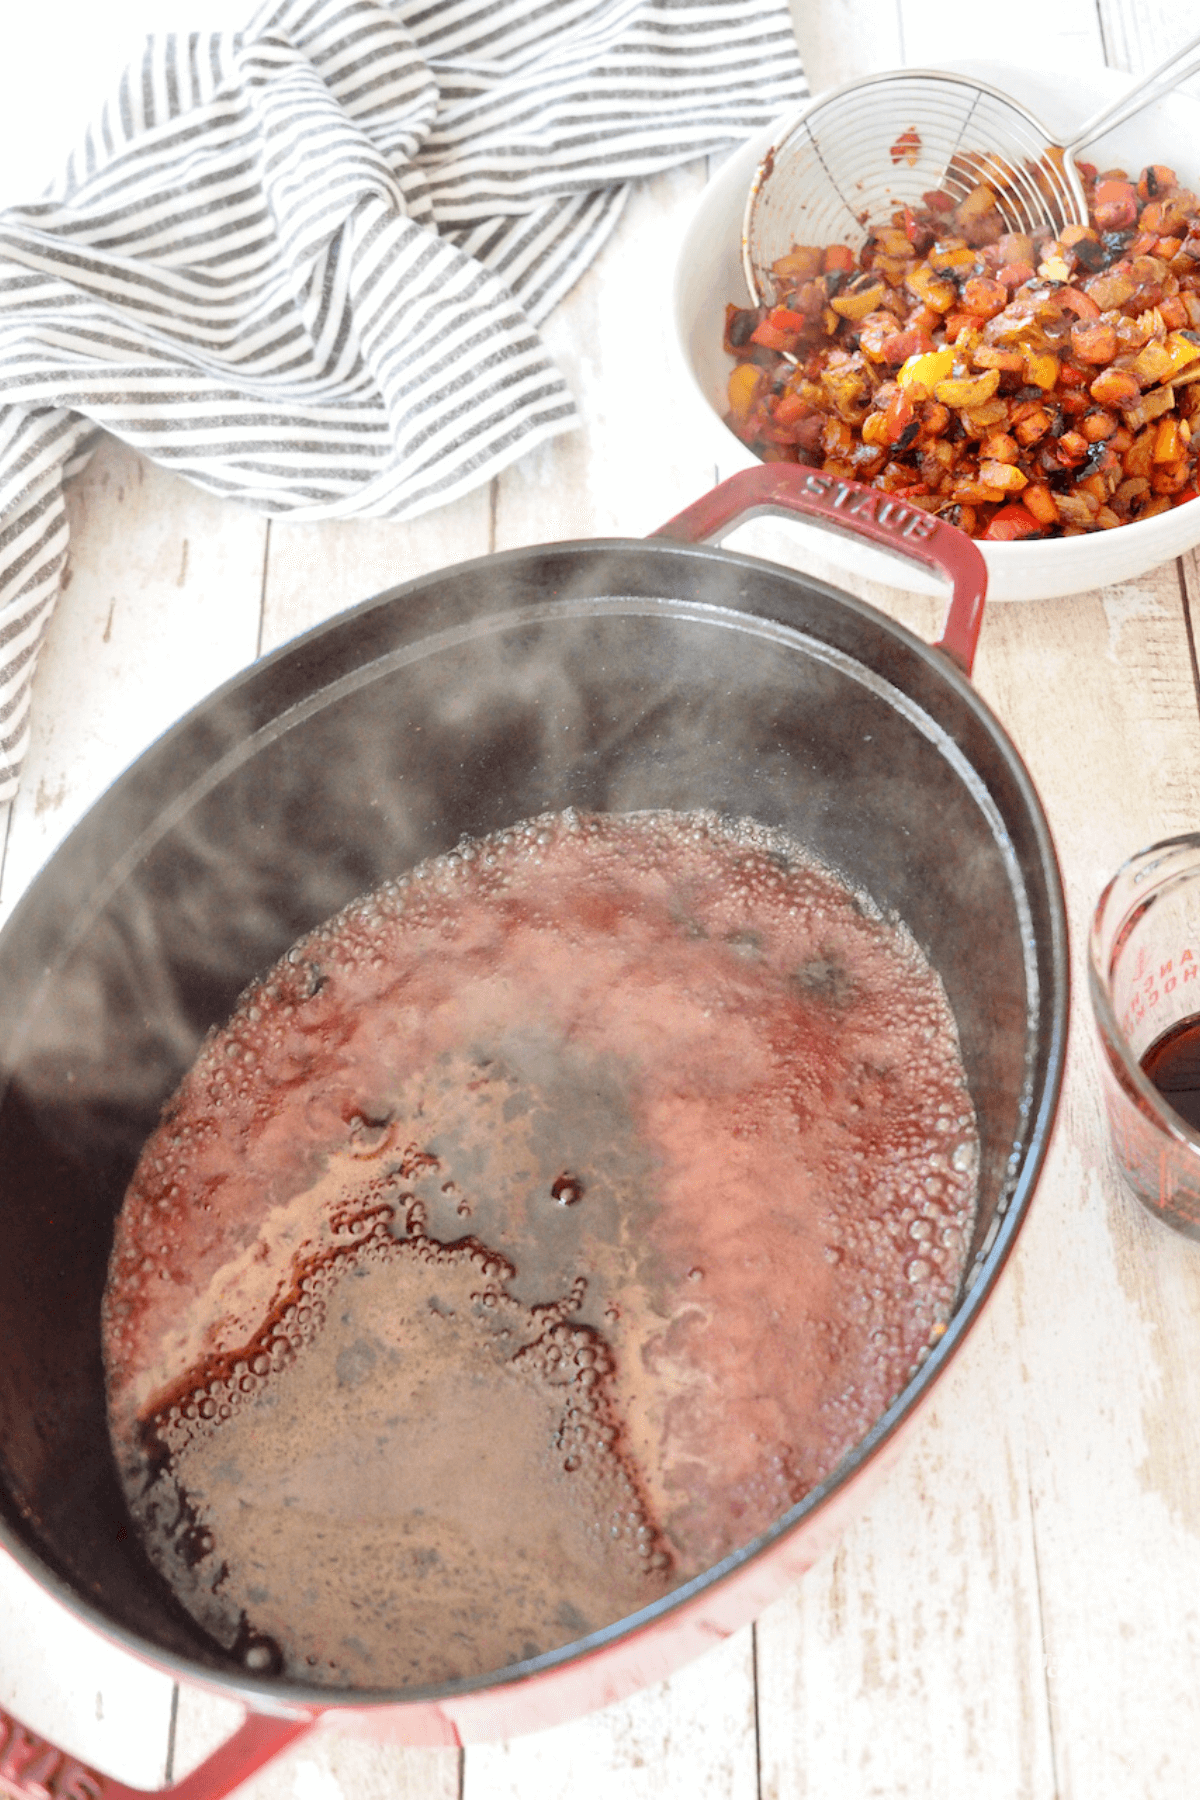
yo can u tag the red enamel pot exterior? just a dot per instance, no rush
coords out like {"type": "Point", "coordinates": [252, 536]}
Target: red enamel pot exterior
{"type": "Point", "coordinates": [613, 676]}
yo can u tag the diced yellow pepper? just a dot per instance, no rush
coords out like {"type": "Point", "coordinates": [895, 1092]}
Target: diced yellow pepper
{"type": "Point", "coordinates": [952, 254]}
{"type": "Point", "coordinates": [932, 290]}
{"type": "Point", "coordinates": [1002, 475]}
{"type": "Point", "coordinates": [744, 385]}
{"type": "Point", "coordinates": [1041, 369]}
{"type": "Point", "coordinates": [980, 419]}
{"type": "Point", "coordinates": [978, 203]}
{"type": "Point", "coordinates": [801, 263]}
{"type": "Point", "coordinates": [926, 369]}
{"type": "Point", "coordinates": [893, 268]}
{"type": "Point", "coordinates": [1169, 444]}
{"type": "Point", "coordinates": [1160, 359]}
{"type": "Point", "coordinates": [967, 390]}
{"type": "Point", "coordinates": [858, 302]}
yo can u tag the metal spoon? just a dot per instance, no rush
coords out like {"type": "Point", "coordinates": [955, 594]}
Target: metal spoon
{"type": "Point", "coordinates": [857, 154]}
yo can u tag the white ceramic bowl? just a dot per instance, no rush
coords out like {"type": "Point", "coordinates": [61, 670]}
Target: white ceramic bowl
{"type": "Point", "coordinates": [709, 274]}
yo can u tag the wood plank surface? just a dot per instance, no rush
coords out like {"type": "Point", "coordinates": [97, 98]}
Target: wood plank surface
{"type": "Point", "coordinates": [1017, 1611]}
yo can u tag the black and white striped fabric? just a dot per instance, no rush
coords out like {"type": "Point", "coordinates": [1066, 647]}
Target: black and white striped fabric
{"type": "Point", "coordinates": [303, 265]}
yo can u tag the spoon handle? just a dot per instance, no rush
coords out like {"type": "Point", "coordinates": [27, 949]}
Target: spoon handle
{"type": "Point", "coordinates": [1178, 66]}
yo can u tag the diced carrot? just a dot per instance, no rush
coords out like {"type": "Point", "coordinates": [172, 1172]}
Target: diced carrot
{"type": "Point", "coordinates": [1154, 179]}
{"type": "Point", "coordinates": [983, 297]}
{"type": "Point", "coordinates": [1114, 205]}
{"type": "Point", "coordinates": [839, 256]}
{"type": "Point", "coordinates": [1015, 274]}
{"type": "Point", "coordinates": [1033, 426]}
{"type": "Point", "coordinates": [1097, 425]}
{"type": "Point", "coordinates": [1000, 447]}
{"type": "Point", "coordinates": [1081, 304]}
{"type": "Point", "coordinates": [1115, 387]}
{"type": "Point", "coordinates": [1093, 343]}
{"type": "Point", "coordinates": [1038, 500]}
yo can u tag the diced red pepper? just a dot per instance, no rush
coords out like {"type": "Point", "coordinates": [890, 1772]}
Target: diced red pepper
{"type": "Point", "coordinates": [899, 416]}
{"type": "Point", "coordinates": [773, 337]}
{"type": "Point", "coordinates": [790, 408]}
{"type": "Point", "coordinates": [958, 320]}
{"type": "Point", "coordinates": [907, 147]}
{"type": "Point", "coordinates": [1011, 523]}
{"type": "Point", "coordinates": [900, 345]}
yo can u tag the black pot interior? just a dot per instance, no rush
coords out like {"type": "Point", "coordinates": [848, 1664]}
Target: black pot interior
{"type": "Point", "coordinates": [611, 677]}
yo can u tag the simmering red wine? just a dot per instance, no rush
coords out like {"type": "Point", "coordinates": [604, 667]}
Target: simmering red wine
{"type": "Point", "coordinates": [534, 1234]}
{"type": "Point", "coordinates": [1172, 1064]}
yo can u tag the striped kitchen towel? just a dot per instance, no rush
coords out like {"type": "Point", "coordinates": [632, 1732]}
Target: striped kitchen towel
{"type": "Point", "coordinates": [303, 264]}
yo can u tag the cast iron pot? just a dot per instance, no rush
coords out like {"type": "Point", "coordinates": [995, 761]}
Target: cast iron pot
{"type": "Point", "coordinates": [609, 676]}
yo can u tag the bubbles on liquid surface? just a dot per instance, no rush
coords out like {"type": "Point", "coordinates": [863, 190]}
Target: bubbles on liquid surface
{"type": "Point", "coordinates": [794, 1252]}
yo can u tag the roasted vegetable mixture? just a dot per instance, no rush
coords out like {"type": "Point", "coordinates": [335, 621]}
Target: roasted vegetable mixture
{"type": "Point", "coordinates": [1017, 386]}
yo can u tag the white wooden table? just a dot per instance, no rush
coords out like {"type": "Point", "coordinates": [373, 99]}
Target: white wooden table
{"type": "Point", "coordinates": [1018, 1613]}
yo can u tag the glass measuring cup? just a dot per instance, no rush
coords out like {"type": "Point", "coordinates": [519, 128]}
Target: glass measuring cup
{"type": "Point", "coordinates": [1144, 980]}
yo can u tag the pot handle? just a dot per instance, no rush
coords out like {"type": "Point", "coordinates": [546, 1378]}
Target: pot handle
{"type": "Point", "coordinates": [864, 512]}
{"type": "Point", "coordinates": [32, 1769]}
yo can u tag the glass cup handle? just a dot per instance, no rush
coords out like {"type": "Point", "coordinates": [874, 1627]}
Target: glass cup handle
{"type": "Point", "coordinates": [862, 511]}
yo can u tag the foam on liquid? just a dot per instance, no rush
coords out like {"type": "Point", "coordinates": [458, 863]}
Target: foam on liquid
{"type": "Point", "coordinates": [534, 1234]}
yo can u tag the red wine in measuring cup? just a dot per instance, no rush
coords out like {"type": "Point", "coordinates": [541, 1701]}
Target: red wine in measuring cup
{"type": "Point", "coordinates": [1172, 1065]}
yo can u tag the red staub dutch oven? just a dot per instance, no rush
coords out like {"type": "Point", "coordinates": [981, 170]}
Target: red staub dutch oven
{"type": "Point", "coordinates": [611, 676]}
